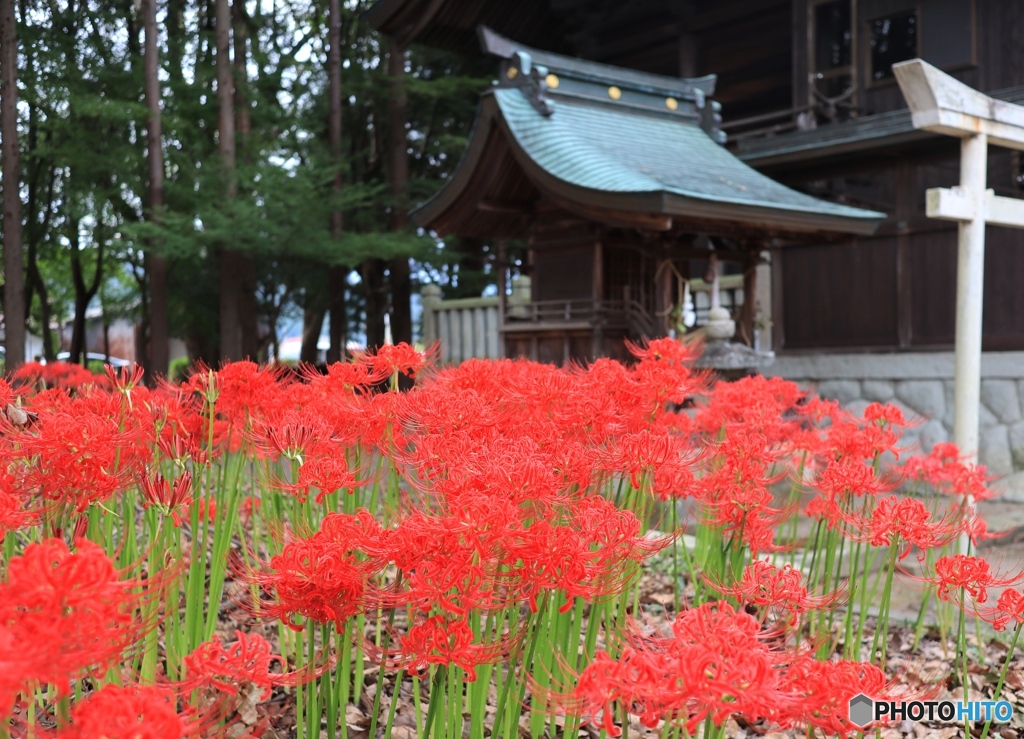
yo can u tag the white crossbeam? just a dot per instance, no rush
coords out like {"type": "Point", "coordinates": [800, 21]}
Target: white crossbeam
{"type": "Point", "coordinates": [946, 105]}
{"type": "Point", "coordinates": [955, 204]}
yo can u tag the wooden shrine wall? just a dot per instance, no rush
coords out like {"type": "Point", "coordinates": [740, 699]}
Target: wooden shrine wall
{"type": "Point", "coordinates": [896, 290]}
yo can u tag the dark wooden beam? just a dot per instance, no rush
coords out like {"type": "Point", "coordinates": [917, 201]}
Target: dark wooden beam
{"type": "Point", "coordinates": [505, 207]}
{"type": "Point", "coordinates": [615, 218]}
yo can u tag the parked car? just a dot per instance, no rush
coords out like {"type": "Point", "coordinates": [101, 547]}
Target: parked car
{"type": "Point", "coordinates": [97, 357]}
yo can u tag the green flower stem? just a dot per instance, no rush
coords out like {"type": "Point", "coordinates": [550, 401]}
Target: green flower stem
{"type": "Point", "coordinates": [882, 630]}
{"type": "Point", "coordinates": [1002, 674]}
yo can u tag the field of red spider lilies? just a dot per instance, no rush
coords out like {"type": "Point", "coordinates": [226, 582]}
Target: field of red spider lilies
{"type": "Point", "coordinates": [259, 552]}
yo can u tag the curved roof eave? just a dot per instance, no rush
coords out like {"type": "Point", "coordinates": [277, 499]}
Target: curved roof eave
{"type": "Point", "coordinates": [657, 201]}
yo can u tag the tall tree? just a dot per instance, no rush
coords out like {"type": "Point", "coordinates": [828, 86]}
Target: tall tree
{"type": "Point", "coordinates": [231, 269]}
{"type": "Point", "coordinates": [338, 274]}
{"type": "Point", "coordinates": [157, 358]}
{"type": "Point", "coordinates": [14, 280]}
{"type": "Point", "coordinates": [243, 128]}
{"type": "Point", "coordinates": [398, 163]}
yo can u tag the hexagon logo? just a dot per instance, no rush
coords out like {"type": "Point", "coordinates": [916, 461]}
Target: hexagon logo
{"type": "Point", "coordinates": [862, 710]}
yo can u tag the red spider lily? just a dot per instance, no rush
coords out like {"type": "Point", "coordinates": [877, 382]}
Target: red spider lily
{"type": "Point", "coordinates": [125, 379]}
{"type": "Point", "coordinates": [777, 588]}
{"type": "Point", "coordinates": [905, 520]}
{"type": "Point", "coordinates": [946, 470]}
{"type": "Point", "coordinates": [736, 492]}
{"type": "Point", "coordinates": [249, 505]}
{"type": "Point", "coordinates": [647, 453]}
{"type": "Point", "coordinates": [246, 391]}
{"type": "Point", "coordinates": [758, 404]}
{"type": "Point", "coordinates": [876, 434]}
{"type": "Point", "coordinates": [322, 578]}
{"type": "Point", "coordinates": [206, 509]}
{"type": "Point", "coordinates": [450, 562]}
{"type": "Point", "coordinates": [1009, 607]}
{"type": "Point", "coordinates": [131, 712]}
{"type": "Point", "coordinates": [172, 501]}
{"type": "Point", "coordinates": [665, 371]}
{"type": "Point", "coordinates": [247, 660]}
{"type": "Point", "coordinates": [960, 573]}
{"type": "Point", "coordinates": [57, 374]}
{"type": "Point", "coordinates": [70, 610]}
{"type": "Point", "coordinates": [851, 476]}
{"type": "Point", "coordinates": [400, 358]}
{"type": "Point", "coordinates": [324, 469]}
{"type": "Point", "coordinates": [821, 691]}
{"type": "Point", "coordinates": [715, 665]}
{"type": "Point", "coordinates": [80, 450]}
{"type": "Point", "coordinates": [342, 379]}
{"type": "Point", "coordinates": [976, 528]}
{"type": "Point", "coordinates": [443, 640]}
{"type": "Point", "coordinates": [179, 448]}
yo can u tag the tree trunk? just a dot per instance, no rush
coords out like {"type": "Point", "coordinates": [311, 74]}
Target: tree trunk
{"type": "Point", "coordinates": [230, 309]}
{"type": "Point", "coordinates": [249, 310]}
{"type": "Point", "coordinates": [49, 352]}
{"type": "Point", "coordinates": [312, 325]}
{"type": "Point", "coordinates": [14, 281]}
{"type": "Point", "coordinates": [83, 293]}
{"type": "Point", "coordinates": [156, 358]}
{"type": "Point", "coordinates": [376, 302]}
{"type": "Point", "coordinates": [398, 160]}
{"type": "Point", "coordinates": [337, 278]}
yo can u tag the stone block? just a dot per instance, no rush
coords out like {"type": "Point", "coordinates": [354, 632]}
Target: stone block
{"type": "Point", "coordinates": [995, 450]}
{"type": "Point", "coordinates": [857, 407]}
{"type": "Point", "coordinates": [1017, 445]}
{"type": "Point", "coordinates": [932, 432]}
{"type": "Point", "coordinates": [926, 397]}
{"type": "Point", "coordinates": [1010, 488]}
{"type": "Point", "coordinates": [986, 417]}
{"type": "Point", "coordinates": [947, 417]}
{"type": "Point", "coordinates": [844, 391]}
{"type": "Point", "coordinates": [1001, 397]}
{"type": "Point", "coordinates": [878, 391]}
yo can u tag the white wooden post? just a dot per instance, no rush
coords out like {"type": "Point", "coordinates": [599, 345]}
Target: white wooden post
{"type": "Point", "coordinates": [970, 285]}
{"type": "Point", "coordinates": [945, 105]}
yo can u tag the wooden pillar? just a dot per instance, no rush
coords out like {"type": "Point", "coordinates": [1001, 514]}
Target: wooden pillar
{"type": "Point", "coordinates": [502, 295]}
{"type": "Point", "coordinates": [749, 314]}
{"type": "Point", "coordinates": [597, 295]}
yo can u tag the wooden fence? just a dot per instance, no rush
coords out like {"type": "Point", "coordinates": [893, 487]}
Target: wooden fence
{"type": "Point", "coordinates": [465, 328]}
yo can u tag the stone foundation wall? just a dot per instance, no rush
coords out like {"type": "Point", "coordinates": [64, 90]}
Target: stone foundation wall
{"type": "Point", "coordinates": [921, 384]}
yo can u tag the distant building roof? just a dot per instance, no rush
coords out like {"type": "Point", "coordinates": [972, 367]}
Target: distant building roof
{"type": "Point", "coordinates": [846, 139]}
{"type": "Point", "coordinates": [452, 24]}
{"type": "Point", "coordinates": [603, 140]}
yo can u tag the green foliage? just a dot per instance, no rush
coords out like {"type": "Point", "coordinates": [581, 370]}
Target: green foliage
{"type": "Point", "coordinates": [83, 134]}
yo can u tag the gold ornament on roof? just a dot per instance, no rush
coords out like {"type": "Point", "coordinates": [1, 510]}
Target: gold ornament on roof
{"type": "Point", "coordinates": [511, 73]}
{"type": "Point", "coordinates": [671, 103]}
{"type": "Point", "coordinates": [614, 93]}
{"type": "Point", "coordinates": [552, 81]}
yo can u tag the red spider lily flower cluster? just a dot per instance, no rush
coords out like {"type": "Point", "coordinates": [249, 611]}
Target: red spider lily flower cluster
{"type": "Point", "coordinates": [779, 590]}
{"type": "Point", "coordinates": [247, 660]}
{"type": "Point", "coordinates": [716, 664]}
{"type": "Point", "coordinates": [500, 489]}
{"type": "Point", "coordinates": [116, 712]}
{"type": "Point", "coordinates": [65, 614]}
{"type": "Point", "coordinates": [960, 575]}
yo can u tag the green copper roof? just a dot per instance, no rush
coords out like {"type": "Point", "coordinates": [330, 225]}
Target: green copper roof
{"type": "Point", "coordinates": [617, 149]}
{"type": "Point", "coordinates": [598, 137]}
